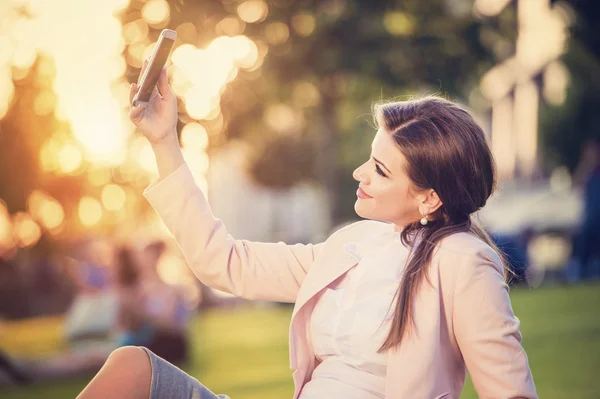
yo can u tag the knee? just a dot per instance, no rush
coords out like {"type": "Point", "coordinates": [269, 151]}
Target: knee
{"type": "Point", "coordinates": [129, 356]}
{"type": "Point", "coordinates": [126, 373]}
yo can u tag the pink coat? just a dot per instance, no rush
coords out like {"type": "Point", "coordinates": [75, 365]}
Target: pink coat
{"type": "Point", "coordinates": [463, 318]}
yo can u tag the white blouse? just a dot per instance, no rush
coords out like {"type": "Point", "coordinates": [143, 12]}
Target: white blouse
{"type": "Point", "coordinates": [351, 321]}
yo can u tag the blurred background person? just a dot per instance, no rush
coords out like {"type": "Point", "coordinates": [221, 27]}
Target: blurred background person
{"type": "Point", "coordinates": [93, 313]}
{"type": "Point", "coordinates": [132, 327]}
{"type": "Point", "coordinates": [163, 306]}
{"type": "Point", "coordinates": [149, 313]}
{"type": "Point", "coordinates": [10, 370]}
{"type": "Point", "coordinates": [585, 262]}
{"type": "Point", "coordinates": [89, 342]}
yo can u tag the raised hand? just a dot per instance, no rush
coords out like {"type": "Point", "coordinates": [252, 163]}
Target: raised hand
{"type": "Point", "coordinates": [157, 118]}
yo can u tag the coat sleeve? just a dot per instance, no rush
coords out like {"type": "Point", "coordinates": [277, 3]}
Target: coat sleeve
{"type": "Point", "coordinates": [251, 270]}
{"type": "Point", "coordinates": [487, 330]}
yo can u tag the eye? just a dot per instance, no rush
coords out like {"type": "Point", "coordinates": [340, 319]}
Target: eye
{"type": "Point", "coordinates": [379, 171]}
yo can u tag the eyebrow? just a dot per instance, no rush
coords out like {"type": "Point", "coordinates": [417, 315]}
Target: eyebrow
{"type": "Point", "coordinates": [381, 163]}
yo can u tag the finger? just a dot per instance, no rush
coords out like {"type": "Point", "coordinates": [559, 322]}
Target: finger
{"type": "Point", "coordinates": [136, 114]}
{"type": "Point", "coordinates": [133, 88]}
{"type": "Point", "coordinates": [142, 71]}
{"type": "Point", "coordinates": [163, 83]}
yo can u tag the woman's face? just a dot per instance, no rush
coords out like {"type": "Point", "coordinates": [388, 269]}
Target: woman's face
{"type": "Point", "coordinates": [385, 191]}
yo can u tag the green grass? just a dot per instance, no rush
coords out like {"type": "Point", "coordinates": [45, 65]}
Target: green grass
{"type": "Point", "coordinates": [244, 352]}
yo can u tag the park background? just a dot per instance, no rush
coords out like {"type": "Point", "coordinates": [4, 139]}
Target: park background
{"type": "Point", "coordinates": [275, 102]}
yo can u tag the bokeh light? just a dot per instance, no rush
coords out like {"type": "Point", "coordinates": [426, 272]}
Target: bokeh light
{"type": "Point", "coordinates": [194, 136]}
{"type": "Point", "coordinates": [6, 229]}
{"type": "Point", "coordinates": [306, 94]}
{"type": "Point", "coordinates": [252, 11]}
{"type": "Point", "coordinates": [556, 82]}
{"type": "Point", "coordinates": [89, 211]}
{"type": "Point", "coordinates": [277, 33]}
{"type": "Point", "coordinates": [142, 151]}
{"type": "Point", "coordinates": [398, 23]}
{"type": "Point", "coordinates": [230, 26]}
{"type": "Point", "coordinates": [303, 23]}
{"type": "Point", "coordinates": [69, 158]}
{"type": "Point", "coordinates": [27, 232]}
{"type": "Point", "coordinates": [135, 31]}
{"type": "Point", "coordinates": [282, 119]}
{"type": "Point", "coordinates": [156, 12]}
{"type": "Point", "coordinates": [490, 7]}
{"type": "Point", "coordinates": [48, 161]}
{"type": "Point", "coordinates": [200, 75]}
{"type": "Point", "coordinates": [98, 175]}
{"type": "Point", "coordinates": [46, 210]}
{"type": "Point", "coordinates": [113, 197]}
{"type": "Point", "coordinates": [44, 103]}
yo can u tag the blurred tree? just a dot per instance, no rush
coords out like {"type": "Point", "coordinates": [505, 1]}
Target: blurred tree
{"type": "Point", "coordinates": [566, 128]}
{"type": "Point", "coordinates": [340, 57]}
{"type": "Point", "coordinates": [21, 132]}
{"type": "Point", "coordinates": [327, 62]}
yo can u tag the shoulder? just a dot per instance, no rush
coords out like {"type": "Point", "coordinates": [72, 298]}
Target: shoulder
{"type": "Point", "coordinates": [349, 238]}
{"type": "Point", "coordinates": [464, 254]}
{"type": "Point", "coordinates": [361, 229]}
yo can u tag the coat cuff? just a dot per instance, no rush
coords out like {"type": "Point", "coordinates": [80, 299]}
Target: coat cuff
{"type": "Point", "coordinates": [160, 192]}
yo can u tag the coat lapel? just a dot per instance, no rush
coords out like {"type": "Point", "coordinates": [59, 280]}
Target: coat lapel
{"type": "Point", "coordinates": [329, 269]}
{"type": "Point", "coordinates": [326, 270]}
{"type": "Point", "coordinates": [340, 254]}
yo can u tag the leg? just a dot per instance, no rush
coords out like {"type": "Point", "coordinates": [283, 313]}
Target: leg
{"type": "Point", "coordinates": [127, 373]}
{"type": "Point", "coordinates": [170, 382]}
{"type": "Point", "coordinates": [12, 370]}
{"type": "Point", "coordinates": [586, 249]}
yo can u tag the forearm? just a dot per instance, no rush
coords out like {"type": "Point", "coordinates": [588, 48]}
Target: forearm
{"type": "Point", "coordinates": [168, 155]}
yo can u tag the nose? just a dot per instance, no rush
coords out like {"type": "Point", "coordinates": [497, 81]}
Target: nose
{"type": "Point", "coordinates": [359, 174]}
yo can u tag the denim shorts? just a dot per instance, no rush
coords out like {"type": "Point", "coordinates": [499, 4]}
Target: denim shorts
{"type": "Point", "coordinates": [168, 381]}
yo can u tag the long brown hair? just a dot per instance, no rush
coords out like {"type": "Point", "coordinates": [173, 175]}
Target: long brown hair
{"type": "Point", "coordinates": [446, 151]}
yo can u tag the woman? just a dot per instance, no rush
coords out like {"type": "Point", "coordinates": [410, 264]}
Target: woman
{"type": "Point", "coordinates": [393, 309]}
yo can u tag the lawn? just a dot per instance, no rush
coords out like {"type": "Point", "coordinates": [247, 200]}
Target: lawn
{"type": "Point", "coordinates": [243, 352]}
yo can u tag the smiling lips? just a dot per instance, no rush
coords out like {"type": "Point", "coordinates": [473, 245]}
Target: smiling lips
{"type": "Point", "coordinates": [361, 194]}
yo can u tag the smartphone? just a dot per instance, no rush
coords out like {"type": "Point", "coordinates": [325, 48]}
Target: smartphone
{"type": "Point", "coordinates": [155, 65]}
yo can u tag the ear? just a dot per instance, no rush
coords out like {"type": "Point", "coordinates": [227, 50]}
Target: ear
{"type": "Point", "coordinates": [429, 202]}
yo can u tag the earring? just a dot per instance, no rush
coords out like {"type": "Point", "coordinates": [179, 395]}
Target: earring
{"type": "Point", "coordinates": [424, 220]}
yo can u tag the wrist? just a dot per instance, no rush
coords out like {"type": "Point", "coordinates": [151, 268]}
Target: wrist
{"type": "Point", "coordinates": [168, 139]}
{"type": "Point", "coordinates": [168, 154]}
